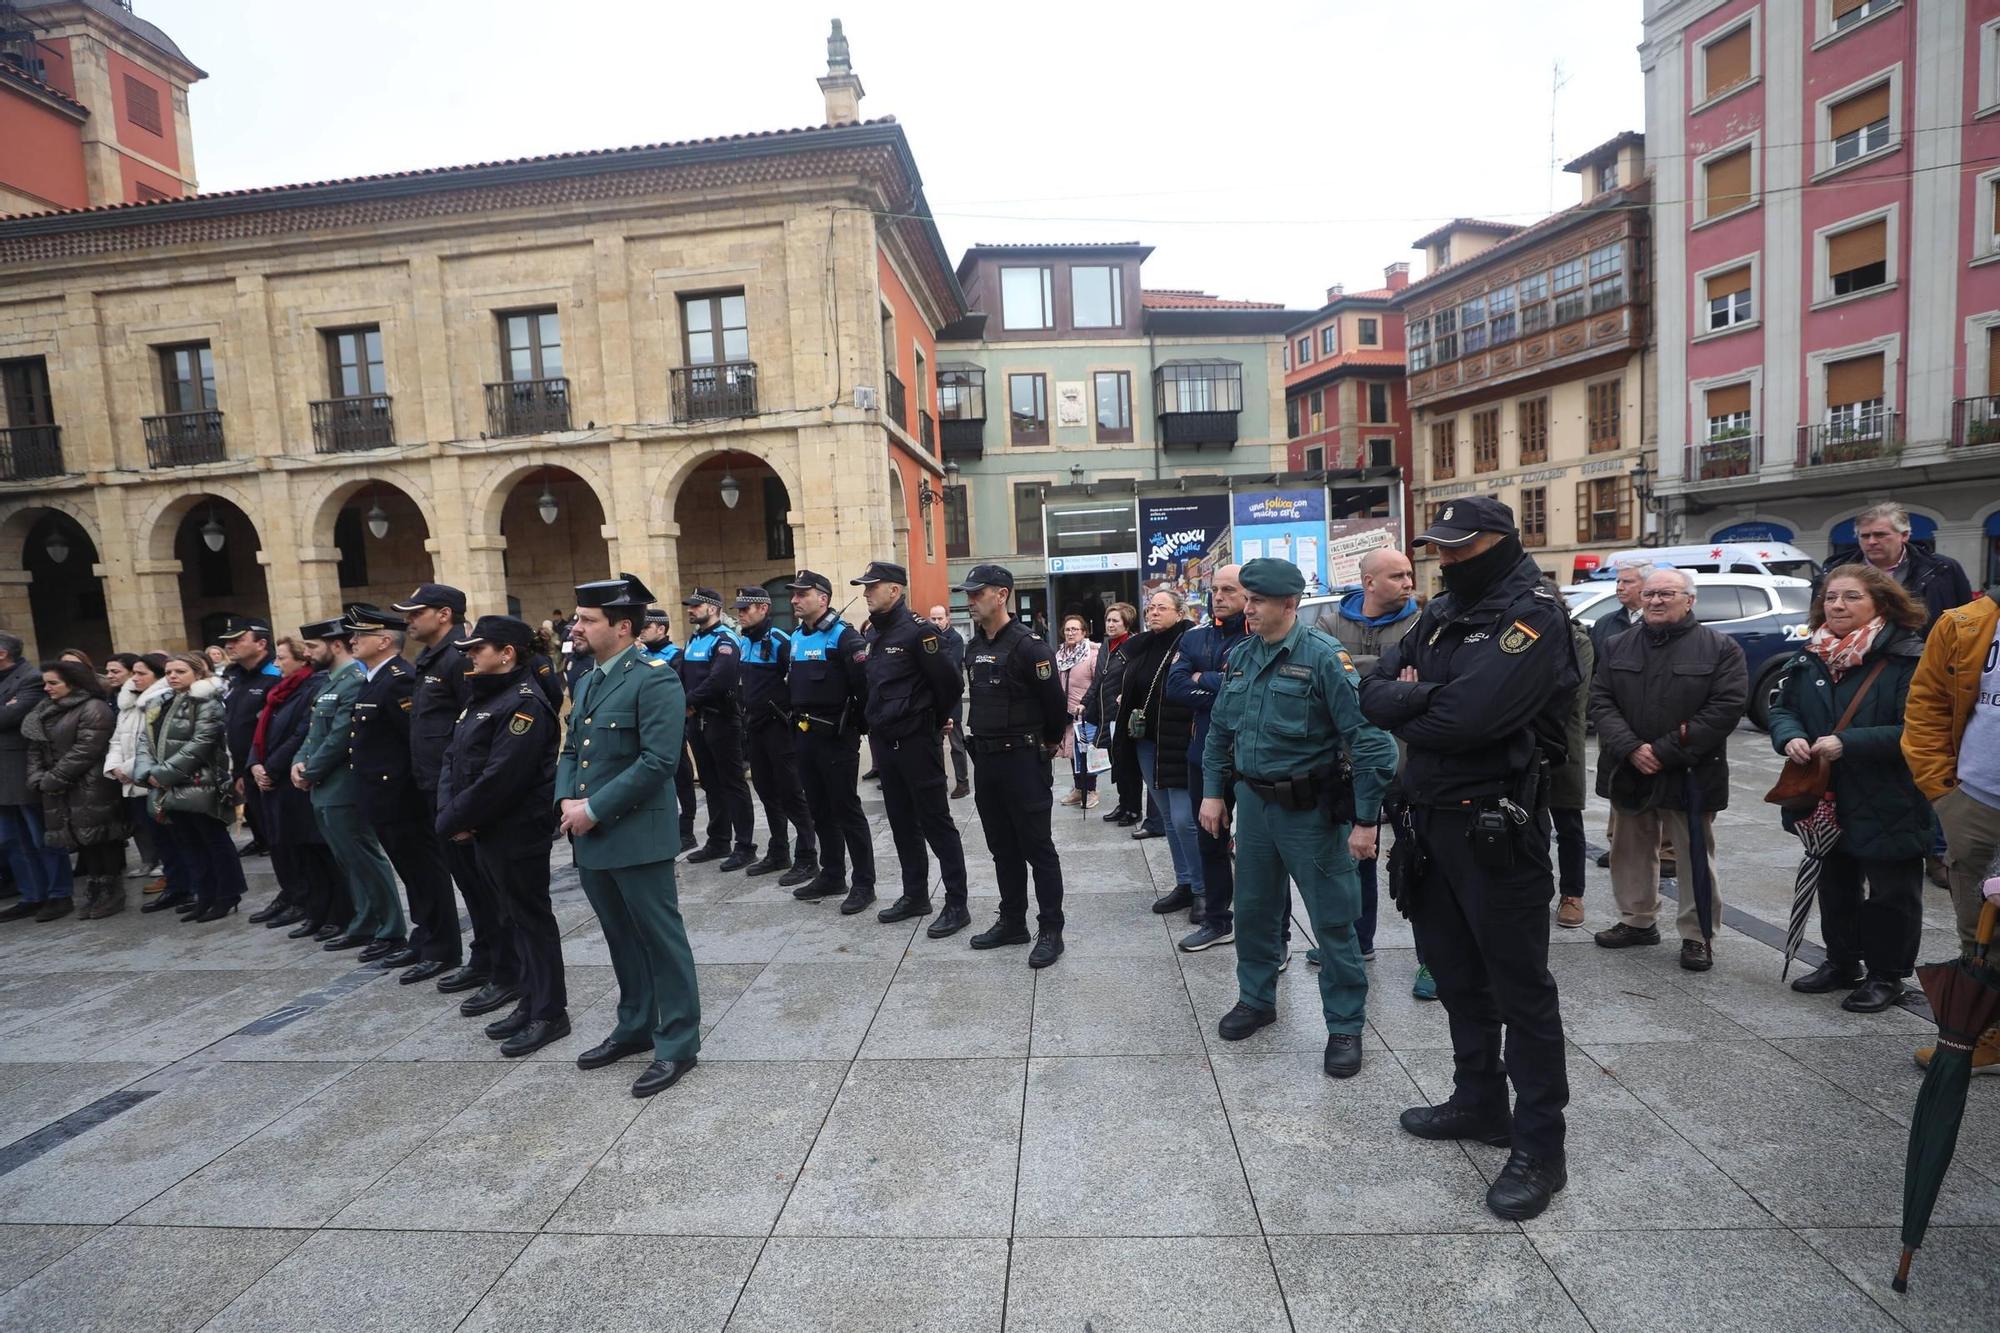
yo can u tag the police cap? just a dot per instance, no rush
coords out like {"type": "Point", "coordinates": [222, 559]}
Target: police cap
{"type": "Point", "coordinates": [808, 580]}
{"type": "Point", "coordinates": [433, 595]}
{"type": "Point", "coordinates": [746, 597]}
{"type": "Point", "coordinates": [881, 571]}
{"type": "Point", "coordinates": [1459, 521]}
{"type": "Point", "coordinates": [361, 618]}
{"type": "Point", "coordinates": [335, 628]}
{"type": "Point", "coordinates": [1272, 578]}
{"type": "Point", "coordinates": [501, 632]}
{"type": "Point", "coordinates": [988, 576]}
{"type": "Point", "coordinates": [703, 597]}
{"type": "Point", "coordinates": [235, 627]}
{"type": "Point", "coordinates": [622, 592]}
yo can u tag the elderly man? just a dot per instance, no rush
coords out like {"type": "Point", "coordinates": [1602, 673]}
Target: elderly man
{"type": "Point", "coordinates": [1664, 699]}
{"type": "Point", "coordinates": [1631, 578]}
{"type": "Point", "coordinates": [954, 735]}
{"type": "Point", "coordinates": [1935, 582]}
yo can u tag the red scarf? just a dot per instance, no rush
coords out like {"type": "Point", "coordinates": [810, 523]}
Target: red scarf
{"type": "Point", "coordinates": [1111, 645]}
{"type": "Point", "coordinates": [1844, 652]}
{"type": "Point", "coordinates": [276, 695]}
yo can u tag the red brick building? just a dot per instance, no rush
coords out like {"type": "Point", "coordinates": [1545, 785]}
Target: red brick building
{"type": "Point", "coordinates": [1346, 405]}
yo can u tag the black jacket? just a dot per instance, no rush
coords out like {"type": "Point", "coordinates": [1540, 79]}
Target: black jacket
{"type": "Point", "coordinates": [1015, 691]}
{"type": "Point", "coordinates": [380, 746]}
{"type": "Point", "coordinates": [242, 701]}
{"type": "Point", "coordinates": [1606, 628]}
{"type": "Point", "coordinates": [1937, 582]}
{"type": "Point", "coordinates": [498, 781]}
{"type": "Point", "coordinates": [1170, 725]}
{"type": "Point", "coordinates": [437, 699]}
{"type": "Point", "coordinates": [20, 694]}
{"type": "Point", "coordinates": [1100, 705]}
{"type": "Point", "coordinates": [283, 736]}
{"type": "Point", "coordinates": [1649, 685]}
{"type": "Point", "coordinates": [913, 686]}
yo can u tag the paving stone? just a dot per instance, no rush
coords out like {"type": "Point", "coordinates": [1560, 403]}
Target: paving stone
{"type": "Point", "coordinates": [1113, 1006]}
{"type": "Point", "coordinates": [28, 1248]}
{"type": "Point", "coordinates": [874, 1286]}
{"type": "Point", "coordinates": [801, 1011]}
{"type": "Point", "coordinates": [372, 1282]}
{"type": "Point", "coordinates": [1954, 1278]}
{"type": "Point", "coordinates": [32, 1095]}
{"type": "Point", "coordinates": [954, 1009]}
{"type": "Point", "coordinates": [1143, 1286]}
{"type": "Point", "coordinates": [616, 1284]}
{"type": "Point", "coordinates": [146, 1279]}
{"type": "Point", "coordinates": [1413, 1284]}
{"type": "Point", "coordinates": [740, 932]}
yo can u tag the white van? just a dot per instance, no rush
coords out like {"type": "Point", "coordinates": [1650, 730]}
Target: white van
{"type": "Point", "coordinates": [1719, 558]}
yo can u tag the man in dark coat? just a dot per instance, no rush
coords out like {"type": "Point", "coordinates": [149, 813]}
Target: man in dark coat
{"type": "Point", "coordinates": [954, 735]}
{"type": "Point", "coordinates": [245, 681]}
{"type": "Point", "coordinates": [1935, 582]}
{"type": "Point", "coordinates": [41, 872]}
{"type": "Point", "coordinates": [1162, 752]}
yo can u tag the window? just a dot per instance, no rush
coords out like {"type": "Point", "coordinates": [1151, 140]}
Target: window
{"type": "Point", "coordinates": [1472, 325]}
{"type": "Point", "coordinates": [1534, 516]}
{"type": "Point", "coordinates": [1316, 407]}
{"type": "Point", "coordinates": [1604, 402]}
{"type": "Point", "coordinates": [1368, 332]}
{"type": "Point", "coordinates": [1381, 452]}
{"type": "Point", "coordinates": [1028, 517]}
{"type": "Point", "coordinates": [1486, 440]}
{"type": "Point", "coordinates": [1291, 418]}
{"type": "Point", "coordinates": [1726, 62]}
{"type": "Point", "coordinates": [1725, 183]}
{"type": "Point", "coordinates": [777, 531]}
{"type": "Point", "coordinates": [531, 345]}
{"type": "Point", "coordinates": [715, 328]}
{"type": "Point", "coordinates": [1847, 13]}
{"type": "Point", "coordinates": [957, 524]}
{"type": "Point", "coordinates": [1728, 412]}
{"type": "Point", "coordinates": [1532, 294]}
{"type": "Point", "coordinates": [1723, 601]}
{"type": "Point", "coordinates": [147, 194]}
{"type": "Point", "coordinates": [1729, 302]}
{"type": "Point", "coordinates": [1199, 386]}
{"type": "Point", "coordinates": [1604, 510]}
{"type": "Point", "coordinates": [1531, 425]}
{"type": "Point", "coordinates": [1315, 458]}
{"type": "Point", "coordinates": [1858, 259]}
{"type": "Point", "coordinates": [1607, 177]}
{"type": "Point", "coordinates": [188, 375]}
{"type": "Point", "coordinates": [1854, 396]}
{"type": "Point", "coordinates": [1378, 402]}
{"type": "Point", "coordinates": [1501, 321]}
{"type": "Point", "coordinates": [1572, 300]}
{"type": "Point", "coordinates": [1027, 298]}
{"type": "Point", "coordinates": [1305, 353]}
{"type": "Point", "coordinates": [961, 393]}
{"type": "Point", "coordinates": [1417, 333]}
{"type": "Point", "coordinates": [354, 363]}
{"type": "Point", "coordinates": [1028, 408]}
{"type": "Point", "coordinates": [1096, 296]}
{"type": "Point", "coordinates": [1860, 124]}
{"type": "Point", "coordinates": [1444, 450]}
{"type": "Point", "coordinates": [25, 382]}
{"type": "Point", "coordinates": [1114, 406]}
{"type": "Point", "coordinates": [1327, 339]}
{"type": "Point", "coordinates": [142, 105]}
{"type": "Point", "coordinates": [1444, 337]}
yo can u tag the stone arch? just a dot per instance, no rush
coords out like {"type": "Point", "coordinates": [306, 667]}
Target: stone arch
{"type": "Point", "coordinates": [490, 490]}
{"type": "Point", "coordinates": [20, 515]}
{"type": "Point", "coordinates": [323, 500]}
{"type": "Point", "coordinates": [721, 547]}
{"type": "Point", "coordinates": [776, 453]}
{"type": "Point", "coordinates": [162, 519]}
{"type": "Point", "coordinates": [53, 603]}
{"type": "Point", "coordinates": [544, 557]}
{"type": "Point", "coordinates": [208, 584]}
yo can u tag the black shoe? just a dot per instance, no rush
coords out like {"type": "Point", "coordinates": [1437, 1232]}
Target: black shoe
{"type": "Point", "coordinates": [1243, 1020]}
{"type": "Point", "coordinates": [818, 887]}
{"type": "Point", "coordinates": [1207, 936]}
{"type": "Point", "coordinates": [331, 931]}
{"type": "Point", "coordinates": [502, 1028]}
{"type": "Point", "coordinates": [1343, 1055]}
{"type": "Point", "coordinates": [423, 971]}
{"type": "Point", "coordinates": [1002, 933]}
{"type": "Point", "coordinates": [771, 862]}
{"type": "Point", "coordinates": [1668, 870]}
{"type": "Point", "coordinates": [22, 910]}
{"type": "Point", "coordinates": [804, 871]}
{"type": "Point", "coordinates": [212, 912]}
{"type": "Point", "coordinates": [255, 847]}
{"type": "Point", "coordinates": [1453, 1121]}
{"type": "Point", "coordinates": [870, 776]}
{"type": "Point", "coordinates": [661, 1075]}
{"type": "Point", "coordinates": [1048, 948]}
{"type": "Point", "coordinates": [1696, 956]}
{"type": "Point", "coordinates": [401, 957]}
{"type": "Point", "coordinates": [1113, 815]}
{"type": "Point", "coordinates": [535, 1036]}
{"type": "Point", "coordinates": [857, 900]}
{"type": "Point", "coordinates": [188, 906]}
{"type": "Point", "coordinates": [1128, 819]}
{"type": "Point", "coordinates": [950, 921]}
{"type": "Point", "coordinates": [689, 842]}
{"type": "Point", "coordinates": [1525, 1186]}
{"type": "Point", "coordinates": [488, 998]}
{"type": "Point", "coordinates": [709, 853]}
{"type": "Point", "coordinates": [962, 790]}
{"type": "Point", "coordinates": [302, 930]}
{"type": "Point", "coordinates": [1874, 995]}
{"type": "Point", "coordinates": [291, 916]}
{"type": "Point", "coordinates": [380, 949]}
{"type": "Point", "coordinates": [1142, 833]}
{"type": "Point", "coordinates": [460, 978]}
{"type": "Point", "coordinates": [1622, 936]}
{"type": "Point", "coordinates": [160, 904]}
{"type": "Point", "coordinates": [268, 912]}
{"type": "Point", "coordinates": [736, 860]}
{"type": "Point", "coordinates": [1604, 859]}
{"type": "Point", "coordinates": [55, 909]}
{"type": "Point", "coordinates": [902, 909]}
{"type": "Point", "coordinates": [1829, 976]}
{"type": "Point", "coordinates": [1173, 900]}
{"type": "Point", "coordinates": [341, 943]}
{"type": "Point", "coordinates": [1198, 910]}
{"type": "Point", "coordinates": [610, 1051]}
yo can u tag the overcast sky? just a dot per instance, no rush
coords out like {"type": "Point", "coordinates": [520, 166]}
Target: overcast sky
{"type": "Point", "coordinates": [1265, 148]}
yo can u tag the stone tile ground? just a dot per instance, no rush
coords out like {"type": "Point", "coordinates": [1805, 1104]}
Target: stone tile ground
{"type": "Point", "coordinates": [889, 1132]}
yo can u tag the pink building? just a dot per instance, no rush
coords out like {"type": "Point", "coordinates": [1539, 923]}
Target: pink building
{"type": "Point", "coordinates": [1827, 267]}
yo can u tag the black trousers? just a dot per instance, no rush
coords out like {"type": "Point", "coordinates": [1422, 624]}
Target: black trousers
{"type": "Point", "coordinates": [492, 950]}
{"type": "Point", "coordinates": [718, 753]}
{"type": "Point", "coordinates": [1015, 804]}
{"type": "Point", "coordinates": [774, 771]}
{"type": "Point", "coordinates": [1218, 871]}
{"type": "Point", "coordinates": [1485, 935]}
{"type": "Point", "coordinates": [253, 810]}
{"type": "Point", "coordinates": [412, 847]}
{"type": "Point", "coordinates": [1569, 851]}
{"type": "Point", "coordinates": [830, 771]}
{"type": "Point", "coordinates": [322, 891]}
{"type": "Point", "coordinates": [521, 882]}
{"type": "Point", "coordinates": [684, 791]}
{"type": "Point", "coordinates": [1882, 927]}
{"type": "Point", "coordinates": [955, 739]}
{"type": "Point", "coordinates": [919, 809]}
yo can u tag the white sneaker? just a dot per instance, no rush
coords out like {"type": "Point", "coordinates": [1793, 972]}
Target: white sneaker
{"type": "Point", "coordinates": [1285, 960]}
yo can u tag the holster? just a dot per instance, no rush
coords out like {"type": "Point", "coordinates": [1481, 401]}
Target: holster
{"type": "Point", "coordinates": [1407, 861]}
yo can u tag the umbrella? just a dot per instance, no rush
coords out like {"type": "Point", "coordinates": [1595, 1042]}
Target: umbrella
{"type": "Point", "coordinates": [1697, 849]}
{"type": "Point", "coordinates": [1965, 996]}
{"type": "Point", "coordinates": [1818, 832]}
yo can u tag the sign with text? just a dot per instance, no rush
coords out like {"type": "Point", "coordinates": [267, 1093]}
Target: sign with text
{"type": "Point", "coordinates": [1284, 525]}
{"type": "Point", "coordinates": [1349, 539]}
{"type": "Point", "coordinates": [1182, 540]}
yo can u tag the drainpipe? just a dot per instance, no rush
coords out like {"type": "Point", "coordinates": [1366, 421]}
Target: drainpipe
{"type": "Point", "coordinates": [1152, 396]}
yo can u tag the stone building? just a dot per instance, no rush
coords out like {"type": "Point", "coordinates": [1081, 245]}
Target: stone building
{"type": "Point", "coordinates": [511, 377]}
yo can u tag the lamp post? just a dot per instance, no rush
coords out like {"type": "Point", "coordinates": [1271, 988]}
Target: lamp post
{"type": "Point", "coordinates": [1642, 490]}
{"type": "Point", "coordinates": [212, 534]}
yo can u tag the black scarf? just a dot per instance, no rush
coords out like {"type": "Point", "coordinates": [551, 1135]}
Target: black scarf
{"type": "Point", "coordinates": [1468, 580]}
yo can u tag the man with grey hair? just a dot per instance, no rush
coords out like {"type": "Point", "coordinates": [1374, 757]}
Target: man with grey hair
{"type": "Point", "coordinates": [1665, 697]}
{"type": "Point", "coordinates": [1882, 536]}
{"type": "Point", "coordinates": [1631, 578]}
{"type": "Point", "coordinates": [41, 872]}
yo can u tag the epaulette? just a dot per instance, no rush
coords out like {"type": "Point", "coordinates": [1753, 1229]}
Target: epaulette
{"type": "Point", "coordinates": [395, 670]}
{"type": "Point", "coordinates": [653, 661]}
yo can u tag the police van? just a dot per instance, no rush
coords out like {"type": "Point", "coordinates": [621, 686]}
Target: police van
{"type": "Point", "coordinates": [1718, 558]}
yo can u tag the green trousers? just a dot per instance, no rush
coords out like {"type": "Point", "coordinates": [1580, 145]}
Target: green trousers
{"type": "Point", "coordinates": [378, 905]}
{"type": "Point", "coordinates": [1272, 844]}
{"type": "Point", "coordinates": [640, 910]}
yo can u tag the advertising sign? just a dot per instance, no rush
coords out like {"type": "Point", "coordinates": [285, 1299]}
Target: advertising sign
{"type": "Point", "coordinates": [1182, 540]}
{"type": "Point", "coordinates": [1284, 525]}
{"type": "Point", "coordinates": [1347, 540]}
{"type": "Point", "coordinates": [1092, 564]}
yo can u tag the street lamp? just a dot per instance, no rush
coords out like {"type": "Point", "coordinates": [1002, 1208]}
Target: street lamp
{"type": "Point", "coordinates": [951, 472]}
{"type": "Point", "coordinates": [546, 506]}
{"type": "Point", "coordinates": [57, 546]}
{"type": "Point", "coordinates": [1642, 489]}
{"type": "Point", "coordinates": [378, 520]}
{"type": "Point", "coordinates": [212, 534]}
{"type": "Point", "coordinates": [730, 490]}
{"type": "Point", "coordinates": [926, 497]}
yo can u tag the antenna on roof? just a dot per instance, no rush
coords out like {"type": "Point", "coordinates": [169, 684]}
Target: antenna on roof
{"type": "Point", "coordinates": [1557, 82]}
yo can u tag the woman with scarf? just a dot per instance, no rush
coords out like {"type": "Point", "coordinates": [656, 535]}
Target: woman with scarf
{"type": "Point", "coordinates": [1862, 620]}
{"type": "Point", "coordinates": [309, 881]}
{"type": "Point", "coordinates": [1100, 707]}
{"type": "Point", "coordinates": [1076, 663]}
{"type": "Point", "coordinates": [184, 763]}
{"type": "Point", "coordinates": [1154, 733]}
{"type": "Point", "coordinates": [68, 735]}
{"type": "Point", "coordinates": [145, 688]}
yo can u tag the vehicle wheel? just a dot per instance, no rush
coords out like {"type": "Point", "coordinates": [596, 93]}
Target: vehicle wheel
{"type": "Point", "coordinates": [1762, 695]}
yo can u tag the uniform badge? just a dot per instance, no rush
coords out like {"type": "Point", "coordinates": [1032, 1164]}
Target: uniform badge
{"type": "Point", "coordinates": [406, 704]}
{"type": "Point", "coordinates": [1518, 638]}
{"type": "Point", "coordinates": [931, 643]}
{"type": "Point", "coordinates": [1045, 669]}
{"type": "Point", "coordinates": [520, 723]}
{"type": "Point", "coordinates": [1345, 660]}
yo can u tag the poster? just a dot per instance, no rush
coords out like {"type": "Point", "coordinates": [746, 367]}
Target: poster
{"type": "Point", "coordinates": [1347, 540]}
{"type": "Point", "coordinates": [1284, 525]}
{"type": "Point", "coordinates": [1182, 539]}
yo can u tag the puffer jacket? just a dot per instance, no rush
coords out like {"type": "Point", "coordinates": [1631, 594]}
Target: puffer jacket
{"type": "Point", "coordinates": [182, 749]}
{"type": "Point", "coordinates": [1169, 724]}
{"type": "Point", "coordinates": [67, 739]}
{"type": "Point", "coordinates": [1944, 691]}
{"type": "Point", "coordinates": [1647, 686]}
{"type": "Point", "coordinates": [1100, 705]}
{"type": "Point", "coordinates": [1883, 817]}
{"type": "Point", "coordinates": [124, 750]}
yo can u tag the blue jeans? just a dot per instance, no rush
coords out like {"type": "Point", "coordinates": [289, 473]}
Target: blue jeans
{"type": "Point", "coordinates": [40, 872]}
{"type": "Point", "coordinates": [1177, 817]}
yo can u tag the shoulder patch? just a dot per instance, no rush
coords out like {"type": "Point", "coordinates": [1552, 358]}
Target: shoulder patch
{"type": "Point", "coordinates": [724, 648]}
{"type": "Point", "coordinates": [541, 670]}
{"type": "Point", "coordinates": [1518, 638]}
{"type": "Point", "coordinates": [406, 704]}
{"type": "Point", "coordinates": [1045, 670]}
{"type": "Point", "coordinates": [520, 723]}
{"type": "Point", "coordinates": [930, 642]}
{"type": "Point", "coordinates": [650, 661]}
{"type": "Point", "coordinates": [1345, 660]}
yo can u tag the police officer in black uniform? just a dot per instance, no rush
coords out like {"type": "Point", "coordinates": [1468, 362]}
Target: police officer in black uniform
{"type": "Point", "coordinates": [656, 636]}
{"type": "Point", "coordinates": [829, 693]}
{"type": "Point", "coordinates": [246, 680]}
{"type": "Point", "coordinates": [773, 745]}
{"type": "Point", "coordinates": [1478, 692]}
{"type": "Point", "coordinates": [392, 801]}
{"type": "Point", "coordinates": [711, 674]}
{"type": "Point", "coordinates": [496, 795]}
{"type": "Point", "coordinates": [912, 689]}
{"type": "Point", "coordinates": [1018, 715]}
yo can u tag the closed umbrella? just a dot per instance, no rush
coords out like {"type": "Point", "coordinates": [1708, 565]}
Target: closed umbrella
{"type": "Point", "coordinates": [1697, 849]}
{"type": "Point", "coordinates": [1817, 833]}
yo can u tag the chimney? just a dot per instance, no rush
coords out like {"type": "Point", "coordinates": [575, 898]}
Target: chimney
{"type": "Point", "coordinates": [843, 91]}
{"type": "Point", "coordinates": [1335, 292]}
{"type": "Point", "coordinates": [1396, 277]}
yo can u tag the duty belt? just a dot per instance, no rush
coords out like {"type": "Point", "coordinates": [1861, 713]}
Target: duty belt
{"type": "Point", "coordinates": [1003, 744]}
{"type": "Point", "coordinates": [811, 723]}
{"type": "Point", "coordinates": [1300, 791]}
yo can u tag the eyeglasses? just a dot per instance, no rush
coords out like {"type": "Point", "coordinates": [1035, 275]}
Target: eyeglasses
{"type": "Point", "coordinates": [1656, 596]}
{"type": "Point", "coordinates": [1856, 595]}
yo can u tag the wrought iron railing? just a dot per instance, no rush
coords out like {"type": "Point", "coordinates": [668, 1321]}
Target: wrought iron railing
{"type": "Point", "coordinates": [898, 409]}
{"type": "Point", "coordinates": [182, 439]}
{"type": "Point", "coordinates": [1975, 421]}
{"type": "Point", "coordinates": [1197, 430]}
{"type": "Point", "coordinates": [27, 452]}
{"type": "Point", "coordinates": [724, 389]}
{"type": "Point", "coordinates": [345, 425]}
{"type": "Point", "coordinates": [1857, 440]}
{"type": "Point", "coordinates": [527, 407]}
{"type": "Point", "coordinates": [1723, 458]}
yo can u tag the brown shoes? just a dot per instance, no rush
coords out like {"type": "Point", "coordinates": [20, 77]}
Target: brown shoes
{"type": "Point", "coordinates": [1696, 956]}
{"type": "Point", "coordinates": [1569, 913]}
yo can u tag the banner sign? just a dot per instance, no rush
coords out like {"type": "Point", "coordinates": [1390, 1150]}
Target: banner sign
{"type": "Point", "coordinates": [1347, 540]}
{"type": "Point", "coordinates": [1182, 540]}
{"type": "Point", "coordinates": [1284, 525]}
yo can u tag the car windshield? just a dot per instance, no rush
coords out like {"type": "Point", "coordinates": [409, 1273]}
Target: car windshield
{"type": "Point", "coordinates": [1796, 600]}
{"type": "Point", "coordinates": [1792, 569]}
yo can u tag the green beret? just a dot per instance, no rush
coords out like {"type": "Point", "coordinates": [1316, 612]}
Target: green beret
{"type": "Point", "coordinates": [1272, 578]}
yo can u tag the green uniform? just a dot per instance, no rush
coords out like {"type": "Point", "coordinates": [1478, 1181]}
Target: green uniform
{"type": "Point", "coordinates": [624, 741]}
{"type": "Point", "coordinates": [1284, 709]}
{"type": "Point", "coordinates": [371, 881]}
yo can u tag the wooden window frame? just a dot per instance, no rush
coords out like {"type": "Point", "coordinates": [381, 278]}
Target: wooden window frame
{"type": "Point", "coordinates": [1604, 414]}
{"type": "Point", "coordinates": [717, 331]}
{"type": "Point", "coordinates": [1117, 272]}
{"type": "Point", "coordinates": [1589, 532]}
{"type": "Point", "coordinates": [1117, 434]}
{"type": "Point", "coordinates": [1444, 450]}
{"type": "Point", "coordinates": [204, 379]}
{"type": "Point", "coordinates": [1388, 408]}
{"type": "Point", "coordinates": [334, 363]}
{"type": "Point", "coordinates": [1368, 332]}
{"type": "Point", "coordinates": [1532, 437]}
{"type": "Point", "coordinates": [1314, 458]}
{"type": "Point", "coordinates": [1032, 436]}
{"type": "Point", "coordinates": [1486, 440]}
{"type": "Point", "coordinates": [957, 522]}
{"type": "Point", "coordinates": [1534, 516]}
{"type": "Point", "coordinates": [1040, 538]}
{"type": "Point", "coordinates": [1048, 285]}
{"type": "Point", "coordinates": [1329, 340]}
{"type": "Point", "coordinates": [26, 395]}
{"type": "Point", "coordinates": [537, 349]}
{"type": "Point", "coordinates": [1388, 443]}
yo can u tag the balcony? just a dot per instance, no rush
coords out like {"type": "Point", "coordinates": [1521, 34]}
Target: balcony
{"type": "Point", "coordinates": [1975, 421]}
{"type": "Point", "coordinates": [1198, 430]}
{"type": "Point", "coordinates": [1864, 439]}
{"type": "Point", "coordinates": [713, 392]}
{"type": "Point", "coordinates": [926, 432]}
{"type": "Point", "coordinates": [183, 439]}
{"type": "Point", "coordinates": [963, 437]}
{"type": "Point", "coordinates": [893, 398]}
{"type": "Point", "coordinates": [1724, 457]}
{"type": "Point", "coordinates": [348, 425]}
{"type": "Point", "coordinates": [27, 452]}
{"type": "Point", "coordinates": [527, 407]}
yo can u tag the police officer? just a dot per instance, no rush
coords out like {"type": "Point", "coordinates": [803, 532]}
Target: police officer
{"type": "Point", "coordinates": [1286, 715]}
{"type": "Point", "coordinates": [912, 689]}
{"type": "Point", "coordinates": [1479, 691]}
{"type": "Point", "coordinates": [711, 673]}
{"type": "Point", "coordinates": [656, 636]}
{"type": "Point", "coordinates": [768, 736]}
{"type": "Point", "coordinates": [392, 801]}
{"type": "Point", "coordinates": [829, 693]}
{"type": "Point", "coordinates": [245, 681]}
{"type": "Point", "coordinates": [624, 739]}
{"type": "Point", "coordinates": [1018, 715]}
{"type": "Point", "coordinates": [496, 795]}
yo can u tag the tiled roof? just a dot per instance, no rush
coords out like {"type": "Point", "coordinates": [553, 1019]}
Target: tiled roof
{"type": "Point", "coordinates": [14, 73]}
{"type": "Point", "coordinates": [1609, 201]}
{"type": "Point", "coordinates": [1611, 145]}
{"type": "Point", "coordinates": [1170, 298]}
{"type": "Point", "coordinates": [118, 14]}
{"type": "Point", "coordinates": [1058, 245]}
{"type": "Point", "coordinates": [1462, 224]}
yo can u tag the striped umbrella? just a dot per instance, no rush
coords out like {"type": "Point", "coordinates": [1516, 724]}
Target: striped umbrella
{"type": "Point", "coordinates": [1818, 832]}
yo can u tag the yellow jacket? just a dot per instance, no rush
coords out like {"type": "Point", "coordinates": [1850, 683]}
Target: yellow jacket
{"type": "Point", "coordinates": [1943, 691]}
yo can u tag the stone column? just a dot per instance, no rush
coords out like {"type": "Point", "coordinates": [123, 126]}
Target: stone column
{"type": "Point", "coordinates": [17, 613]}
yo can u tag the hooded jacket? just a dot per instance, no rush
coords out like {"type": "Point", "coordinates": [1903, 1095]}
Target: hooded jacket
{"type": "Point", "coordinates": [1366, 637]}
{"type": "Point", "coordinates": [124, 750]}
{"type": "Point", "coordinates": [67, 739]}
{"type": "Point", "coordinates": [183, 755]}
